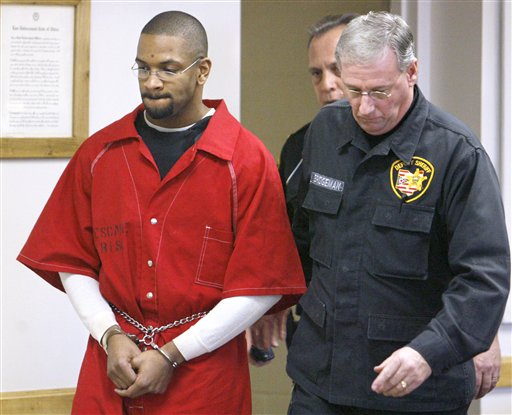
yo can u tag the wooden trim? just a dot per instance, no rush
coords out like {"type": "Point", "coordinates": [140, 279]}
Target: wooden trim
{"type": "Point", "coordinates": [506, 373]}
{"type": "Point", "coordinates": [61, 147]}
{"type": "Point", "coordinates": [50, 401]}
{"type": "Point", "coordinates": [45, 2]}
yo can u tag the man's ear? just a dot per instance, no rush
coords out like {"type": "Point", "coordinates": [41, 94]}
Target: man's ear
{"type": "Point", "coordinates": [204, 66]}
{"type": "Point", "coordinates": [412, 72]}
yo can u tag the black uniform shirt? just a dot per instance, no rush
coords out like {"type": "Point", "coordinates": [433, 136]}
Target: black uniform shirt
{"type": "Point", "coordinates": [409, 245]}
{"type": "Point", "coordinates": [290, 167]}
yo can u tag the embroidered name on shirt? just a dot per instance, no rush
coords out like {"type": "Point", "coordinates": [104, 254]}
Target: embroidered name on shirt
{"type": "Point", "coordinates": [327, 182]}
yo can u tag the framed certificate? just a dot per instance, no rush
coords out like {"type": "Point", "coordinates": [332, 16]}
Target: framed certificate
{"type": "Point", "coordinates": [44, 77]}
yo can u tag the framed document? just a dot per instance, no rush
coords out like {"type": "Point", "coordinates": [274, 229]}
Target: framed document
{"type": "Point", "coordinates": [44, 77]}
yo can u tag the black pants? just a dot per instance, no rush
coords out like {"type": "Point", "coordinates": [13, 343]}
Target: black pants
{"type": "Point", "coordinates": [305, 403]}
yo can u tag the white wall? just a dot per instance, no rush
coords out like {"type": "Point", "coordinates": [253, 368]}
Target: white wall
{"type": "Point", "coordinates": [496, 110]}
{"type": "Point", "coordinates": [42, 342]}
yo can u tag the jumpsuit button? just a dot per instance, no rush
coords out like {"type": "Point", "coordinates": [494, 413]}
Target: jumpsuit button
{"type": "Point", "coordinates": [149, 295]}
{"type": "Point", "coordinates": [150, 263]}
{"type": "Point", "coordinates": [153, 221]}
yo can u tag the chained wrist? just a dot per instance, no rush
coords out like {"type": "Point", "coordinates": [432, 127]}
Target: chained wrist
{"type": "Point", "coordinates": [173, 363]}
{"type": "Point", "coordinates": [111, 331]}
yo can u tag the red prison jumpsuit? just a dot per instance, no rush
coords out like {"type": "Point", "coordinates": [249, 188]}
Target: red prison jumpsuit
{"type": "Point", "coordinates": [214, 227]}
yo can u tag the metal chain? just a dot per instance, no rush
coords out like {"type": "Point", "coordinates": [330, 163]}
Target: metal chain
{"type": "Point", "coordinates": [149, 332]}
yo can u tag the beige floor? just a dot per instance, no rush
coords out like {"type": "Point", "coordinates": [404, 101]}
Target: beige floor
{"type": "Point", "coordinates": [271, 387]}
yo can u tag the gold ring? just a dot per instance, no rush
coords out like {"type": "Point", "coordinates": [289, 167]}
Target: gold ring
{"type": "Point", "coordinates": [403, 384]}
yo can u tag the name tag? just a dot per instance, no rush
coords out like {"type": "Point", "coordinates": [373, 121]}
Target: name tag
{"type": "Point", "coordinates": [327, 182]}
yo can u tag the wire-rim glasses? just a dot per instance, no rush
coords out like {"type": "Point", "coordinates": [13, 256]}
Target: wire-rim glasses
{"type": "Point", "coordinates": [163, 74]}
{"type": "Point", "coordinates": [374, 94]}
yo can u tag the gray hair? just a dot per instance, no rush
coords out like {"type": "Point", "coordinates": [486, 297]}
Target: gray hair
{"type": "Point", "coordinates": [367, 38]}
{"type": "Point", "coordinates": [329, 22]}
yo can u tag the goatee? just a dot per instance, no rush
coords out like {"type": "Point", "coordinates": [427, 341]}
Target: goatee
{"type": "Point", "coordinates": [157, 112]}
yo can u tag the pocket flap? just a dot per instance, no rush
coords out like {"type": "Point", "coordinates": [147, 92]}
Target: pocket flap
{"type": "Point", "coordinates": [404, 217]}
{"type": "Point", "coordinates": [322, 200]}
{"type": "Point", "coordinates": [395, 328]}
{"type": "Point", "coordinates": [313, 307]}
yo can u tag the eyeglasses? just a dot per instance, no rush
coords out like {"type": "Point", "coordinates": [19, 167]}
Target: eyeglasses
{"type": "Point", "coordinates": [355, 94]}
{"type": "Point", "coordinates": [164, 75]}
{"type": "Point", "coordinates": [375, 95]}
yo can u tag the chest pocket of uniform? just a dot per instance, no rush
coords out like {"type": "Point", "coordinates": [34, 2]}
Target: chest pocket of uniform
{"type": "Point", "coordinates": [323, 206]}
{"type": "Point", "coordinates": [214, 257]}
{"type": "Point", "coordinates": [398, 241]}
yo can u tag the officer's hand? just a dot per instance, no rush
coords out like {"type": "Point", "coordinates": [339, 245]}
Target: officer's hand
{"type": "Point", "coordinates": [281, 319]}
{"type": "Point", "coordinates": [121, 351]}
{"type": "Point", "coordinates": [269, 330]}
{"type": "Point", "coordinates": [487, 369]}
{"type": "Point", "coordinates": [401, 373]}
{"type": "Point", "coordinates": [153, 375]}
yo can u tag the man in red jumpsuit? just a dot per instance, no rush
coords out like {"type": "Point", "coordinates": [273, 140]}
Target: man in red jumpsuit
{"type": "Point", "coordinates": [168, 231]}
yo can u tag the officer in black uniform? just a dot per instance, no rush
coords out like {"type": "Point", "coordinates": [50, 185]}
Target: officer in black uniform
{"type": "Point", "coordinates": [402, 217]}
{"type": "Point", "coordinates": [325, 78]}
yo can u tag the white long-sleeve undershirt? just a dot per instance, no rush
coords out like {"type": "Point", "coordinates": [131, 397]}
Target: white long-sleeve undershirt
{"type": "Point", "coordinates": [230, 317]}
{"type": "Point", "coordinates": [85, 296]}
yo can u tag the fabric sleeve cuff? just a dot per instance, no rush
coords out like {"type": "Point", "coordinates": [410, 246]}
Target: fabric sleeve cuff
{"type": "Point", "coordinates": [189, 344]}
{"type": "Point", "coordinates": [99, 323]}
{"type": "Point", "coordinates": [436, 350]}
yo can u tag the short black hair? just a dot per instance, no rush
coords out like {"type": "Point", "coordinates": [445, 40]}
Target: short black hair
{"type": "Point", "coordinates": [180, 24]}
{"type": "Point", "coordinates": [329, 22]}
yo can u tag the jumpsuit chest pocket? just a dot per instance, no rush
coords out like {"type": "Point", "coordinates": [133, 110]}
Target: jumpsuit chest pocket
{"type": "Point", "coordinates": [214, 256]}
{"type": "Point", "coordinates": [398, 241]}
{"type": "Point", "coordinates": [323, 206]}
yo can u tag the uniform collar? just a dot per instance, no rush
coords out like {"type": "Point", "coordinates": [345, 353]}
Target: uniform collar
{"type": "Point", "coordinates": [221, 135]}
{"type": "Point", "coordinates": [219, 138]}
{"type": "Point", "coordinates": [402, 142]}
{"type": "Point", "coordinates": [405, 139]}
